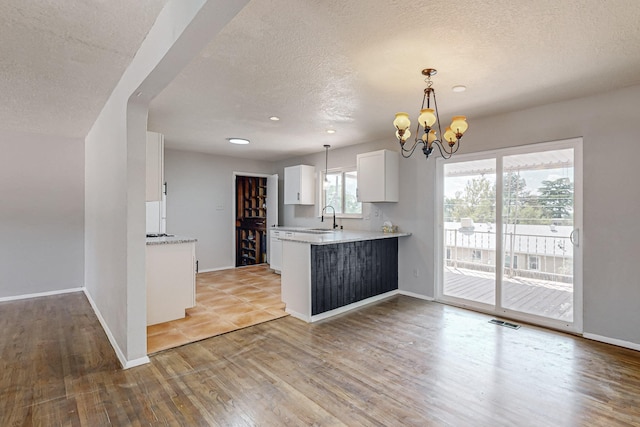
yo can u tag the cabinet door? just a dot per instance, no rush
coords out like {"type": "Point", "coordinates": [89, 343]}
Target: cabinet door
{"type": "Point", "coordinates": [275, 256]}
{"type": "Point", "coordinates": [299, 185]}
{"type": "Point", "coordinates": [370, 177]}
{"type": "Point", "coordinates": [378, 176]}
{"type": "Point", "coordinates": [292, 185]}
{"type": "Point", "coordinates": [155, 166]}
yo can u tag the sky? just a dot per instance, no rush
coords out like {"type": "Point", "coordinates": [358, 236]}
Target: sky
{"type": "Point", "coordinates": [533, 179]}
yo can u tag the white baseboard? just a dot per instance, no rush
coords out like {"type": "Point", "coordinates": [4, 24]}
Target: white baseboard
{"type": "Point", "coordinates": [614, 341]}
{"type": "Point", "coordinates": [41, 294]}
{"type": "Point", "coordinates": [298, 315]}
{"type": "Point", "coordinates": [136, 362]}
{"type": "Point", "coordinates": [414, 295]}
{"type": "Point", "coordinates": [209, 270]}
{"type": "Point", "coordinates": [126, 364]}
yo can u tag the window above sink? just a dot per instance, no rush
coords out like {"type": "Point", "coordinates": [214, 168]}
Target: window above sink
{"type": "Point", "coordinates": [340, 191]}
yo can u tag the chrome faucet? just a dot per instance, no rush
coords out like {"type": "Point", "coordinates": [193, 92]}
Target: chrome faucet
{"type": "Point", "coordinates": [334, 215]}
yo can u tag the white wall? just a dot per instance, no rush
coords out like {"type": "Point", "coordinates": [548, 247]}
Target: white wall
{"type": "Point", "coordinates": [611, 149]}
{"type": "Point", "coordinates": [307, 215]}
{"type": "Point", "coordinates": [115, 171]}
{"type": "Point", "coordinates": [199, 202]}
{"type": "Point", "coordinates": [41, 214]}
{"type": "Point", "coordinates": [414, 212]}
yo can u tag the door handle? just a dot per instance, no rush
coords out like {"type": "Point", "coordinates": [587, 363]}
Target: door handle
{"type": "Point", "coordinates": [574, 237]}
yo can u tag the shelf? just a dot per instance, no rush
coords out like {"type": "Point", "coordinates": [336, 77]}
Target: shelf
{"type": "Point", "coordinates": [251, 219]}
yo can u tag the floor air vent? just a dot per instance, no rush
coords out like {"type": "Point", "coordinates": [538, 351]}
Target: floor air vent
{"type": "Point", "coordinates": [505, 324]}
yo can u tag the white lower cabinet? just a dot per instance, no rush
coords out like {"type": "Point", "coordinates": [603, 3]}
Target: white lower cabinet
{"type": "Point", "coordinates": [275, 257]}
{"type": "Point", "coordinates": [171, 281]}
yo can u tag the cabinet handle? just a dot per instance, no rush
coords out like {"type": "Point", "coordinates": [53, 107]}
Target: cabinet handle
{"type": "Point", "coordinates": [298, 196]}
{"type": "Point", "coordinates": [196, 266]}
{"type": "Point", "coordinates": [165, 188]}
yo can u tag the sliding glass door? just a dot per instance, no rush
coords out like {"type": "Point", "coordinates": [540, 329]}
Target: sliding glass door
{"type": "Point", "coordinates": [510, 233]}
{"type": "Point", "coordinates": [469, 230]}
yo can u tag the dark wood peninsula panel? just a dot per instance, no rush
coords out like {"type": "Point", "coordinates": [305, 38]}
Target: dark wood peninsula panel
{"type": "Point", "coordinates": [344, 273]}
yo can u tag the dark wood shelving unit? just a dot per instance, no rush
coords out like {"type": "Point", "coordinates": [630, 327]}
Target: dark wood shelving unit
{"type": "Point", "coordinates": [251, 219]}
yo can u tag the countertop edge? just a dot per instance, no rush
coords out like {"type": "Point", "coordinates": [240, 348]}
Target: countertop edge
{"type": "Point", "coordinates": [169, 240]}
{"type": "Point", "coordinates": [330, 239]}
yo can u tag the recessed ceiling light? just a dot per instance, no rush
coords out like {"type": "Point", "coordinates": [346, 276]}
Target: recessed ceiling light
{"type": "Point", "coordinates": [459, 88]}
{"type": "Point", "coordinates": [331, 131]}
{"type": "Point", "coordinates": [274, 118]}
{"type": "Point", "coordinates": [240, 141]}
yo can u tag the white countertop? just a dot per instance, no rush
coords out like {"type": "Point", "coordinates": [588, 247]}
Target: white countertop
{"type": "Point", "coordinates": [287, 228]}
{"type": "Point", "coordinates": [338, 236]}
{"type": "Point", "coordinates": [169, 240]}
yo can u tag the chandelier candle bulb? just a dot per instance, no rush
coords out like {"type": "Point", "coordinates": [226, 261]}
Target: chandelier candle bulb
{"type": "Point", "coordinates": [402, 121]}
{"type": "Point", "coordinates": [450, 137]}
{"type": "Point", "coordinates": [406, 134]}
{"type": "Point", "coordinates": [431, 137]}
{"type": "Point", "coordinates": [427, 118]}
{"type": "Point", "coordinates": [459, 125]}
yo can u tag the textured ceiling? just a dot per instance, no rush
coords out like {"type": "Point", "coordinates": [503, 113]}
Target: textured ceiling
{"type": "Point", "coordinates": [60, 59]}
{"type": "Point", "coordinates": [350, 65]}
{"type": "Point", "coordinates": [317, 64]}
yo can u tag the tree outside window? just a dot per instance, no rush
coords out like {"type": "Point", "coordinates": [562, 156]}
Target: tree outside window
{"type": "Point", "coordinates": [339, 191]}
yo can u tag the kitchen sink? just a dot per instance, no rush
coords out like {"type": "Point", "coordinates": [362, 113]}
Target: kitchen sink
{"type": "Point", "coordinates": [317, 230]}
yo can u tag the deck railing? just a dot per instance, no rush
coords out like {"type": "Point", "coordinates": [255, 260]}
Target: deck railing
{"type": "Point", "coordinates": [543, 257]}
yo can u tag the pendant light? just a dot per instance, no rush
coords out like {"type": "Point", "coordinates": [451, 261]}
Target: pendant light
{"type": "Point", "coordinates": [326, 165]}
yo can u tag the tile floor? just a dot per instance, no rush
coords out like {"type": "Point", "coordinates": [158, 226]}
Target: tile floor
{"type": "Point", "coordinates": [226, 300]}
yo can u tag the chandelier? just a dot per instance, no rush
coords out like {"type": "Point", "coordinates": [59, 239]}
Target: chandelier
{"type": "Point", "coordinates": [427, 119]}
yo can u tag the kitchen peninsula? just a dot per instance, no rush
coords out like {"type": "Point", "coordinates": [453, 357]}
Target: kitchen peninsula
{"type": "Point", "coordinates": [328, 273]}
{"type": "Point", "coordinates": [171, 277]}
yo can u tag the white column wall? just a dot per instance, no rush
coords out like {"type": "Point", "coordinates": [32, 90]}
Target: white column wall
{"type": "Point", "coordinates": [115, 171]}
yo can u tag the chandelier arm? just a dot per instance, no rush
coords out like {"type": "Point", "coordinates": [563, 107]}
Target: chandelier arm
{"type": "Point", "coordinates": [435, 104]}
{"type": "Point", "coordinates": [440, 148]}
{"type": "Point", "coordinates": [457, 147]}
{"type": "Point", "coordinates": [410, 151]}
{"type": "Point", "coordinates": [424, 97]}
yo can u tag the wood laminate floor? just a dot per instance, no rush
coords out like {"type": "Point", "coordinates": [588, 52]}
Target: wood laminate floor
{"type": "Point", "coordinates": [400, 362]}
{"type": "Point", "coordinates": [226, 301]}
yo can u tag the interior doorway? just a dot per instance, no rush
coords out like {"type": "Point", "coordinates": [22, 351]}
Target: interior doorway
{"type": "Point", "coordinates": [256, 206]}
{"type": "Point", "coordinates": [510, 224]}
{"type": "Point", "coordinates": [251, 218]}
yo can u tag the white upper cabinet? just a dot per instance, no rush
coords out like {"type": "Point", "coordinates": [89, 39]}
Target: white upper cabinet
{"type": "Point", "coordinates": [378, 176]}
{"type": "Point", "coordinates": [155, 166]}
{"type": "Point", "coordinates": [299, 185]}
